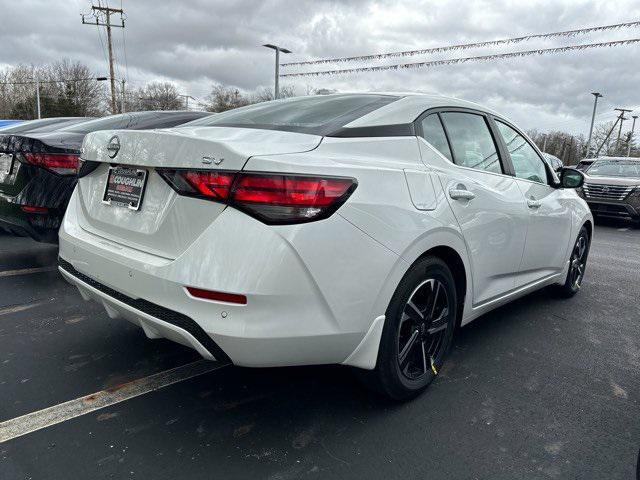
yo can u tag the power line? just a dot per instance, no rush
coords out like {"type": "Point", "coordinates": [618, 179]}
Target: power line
{"type": "Point", "coordinates": [124, 46]}
{"type": "Point", "coordinates": [464, 46]}
{"type": "Point", "coordinates": [454, 61]}
{"type": "Point", "coordinates": [31, 82]}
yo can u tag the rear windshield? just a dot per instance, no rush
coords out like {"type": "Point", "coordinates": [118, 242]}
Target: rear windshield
{"type": "Point", "coordinates": [615, 168]}
{"type": "Point", "coordinates": [135, 121]}
{"type": "Point", "coordinates": [43, 125]}
{"type": "Point", "coordinates": [318, 115]}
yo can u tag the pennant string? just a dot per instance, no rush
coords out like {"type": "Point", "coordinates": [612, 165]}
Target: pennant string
{"type": "Point", "coordinates": [465, 46]}
{"type": "Point", "coordinates": [454, 61]}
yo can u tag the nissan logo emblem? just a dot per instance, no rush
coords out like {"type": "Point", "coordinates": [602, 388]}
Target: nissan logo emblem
{"type": "Point", "coordinates": [113, 147]}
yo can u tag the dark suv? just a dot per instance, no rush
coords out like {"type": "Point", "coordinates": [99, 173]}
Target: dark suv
{"type": "Point", "coordinates": [612, 188]}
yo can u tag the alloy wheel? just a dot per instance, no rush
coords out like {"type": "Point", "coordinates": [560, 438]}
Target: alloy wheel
{"type": "Point", "coordinates": [422, 328]}
{"type": "Point", "coordinates": [578, 262]}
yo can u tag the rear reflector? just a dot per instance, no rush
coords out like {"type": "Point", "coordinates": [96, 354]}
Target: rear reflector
{"type": "Point", "coordinates": [271, 198]}
{"type": "Point", "coordinates": [60, 163]}
{"type": "Point", "coordinates": [217, 296]}
{"type": "Point", "coordinates": [34, 209]}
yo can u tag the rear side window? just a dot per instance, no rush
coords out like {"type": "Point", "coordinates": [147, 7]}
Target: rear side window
{"type": "Point", "coordinates": [433, 133]}
{"type": "Point", "coordinates": [472, 142]}
{"type": "Point", "coordinates": [526, 162]}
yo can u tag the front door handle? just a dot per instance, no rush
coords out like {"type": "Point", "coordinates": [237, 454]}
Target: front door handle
{"type": "Point", "coordinates": [532, 203]}
{"type": "Point", "coordinates": [461, 194]}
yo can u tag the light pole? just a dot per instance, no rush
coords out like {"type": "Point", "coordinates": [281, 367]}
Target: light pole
{"type": "Point", "coordinates": [633, 129]}
{"type": "Point", "coordinates": [593, 118]}
{"type": "Point", "coordinates": [278, 50]}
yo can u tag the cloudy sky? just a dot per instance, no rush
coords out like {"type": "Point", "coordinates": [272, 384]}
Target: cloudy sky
{"type": "Point", "coordinates": [197, 43]}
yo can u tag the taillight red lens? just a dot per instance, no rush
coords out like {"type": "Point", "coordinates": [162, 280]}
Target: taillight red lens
{"type": "Point", "coordinates": [61, 163]}
{"type": "Point", "coordinates": [34, 209]}
{"type": "Point", "coordinates": [289, 190]}
{"type": "Point", "coordinates": [199, 183]}
{"type": "Point", "coordinates": [211, 184]}
{"type": "Point", "coordinates": [271, 198]}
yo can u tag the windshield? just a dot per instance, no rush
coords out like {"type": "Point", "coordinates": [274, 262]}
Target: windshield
{"type": "Point", "coordinates": [317, 115]}
{"type": "Point", "coordinates": [615, 168]}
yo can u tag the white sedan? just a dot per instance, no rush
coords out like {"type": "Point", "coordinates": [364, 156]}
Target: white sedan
{"type": "Point", "coordinates": [359, 229]}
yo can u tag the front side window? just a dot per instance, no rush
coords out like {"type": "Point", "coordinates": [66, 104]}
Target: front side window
{"type": "Point", "coordinates": [471, 140]}
{"type": "Point", "coordinates": [433, 133]}
{"type": "Point", "coordinates": [526, 162]}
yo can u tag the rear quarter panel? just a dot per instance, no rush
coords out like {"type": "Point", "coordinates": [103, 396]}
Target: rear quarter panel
{"type": "Point", "coordinates": [381, 207]}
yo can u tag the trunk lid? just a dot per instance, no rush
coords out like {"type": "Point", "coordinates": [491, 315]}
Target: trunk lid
{"type": "Point", "coordinates": [167, 223]}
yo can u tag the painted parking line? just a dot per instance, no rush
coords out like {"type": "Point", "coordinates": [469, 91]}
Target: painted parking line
{"type": "Point", "coordinates": [27, 271]}
{"type": "Point", "coordinates": [19, 308]}
{"type": "Point", "coordinates": [31, 422]}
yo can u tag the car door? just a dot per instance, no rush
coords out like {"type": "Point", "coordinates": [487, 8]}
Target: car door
{"type": "Point", "coordinates": [548, 235]}
{"type": "Point", "coordinates": [485, 200]}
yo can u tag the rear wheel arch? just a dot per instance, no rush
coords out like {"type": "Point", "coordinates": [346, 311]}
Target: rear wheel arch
{"type": "Point", "coordinates": [455, 263]}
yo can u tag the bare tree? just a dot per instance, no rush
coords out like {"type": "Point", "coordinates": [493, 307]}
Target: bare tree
{"type": "Point", "coordinates": [224, 98]}
{"type": "Point", "coordinates": [79, 94]}
{"type": "Point", "coordinates": [66, 89]}
{"type": "Point", "coordinates": [157, 96]}
{"type": "Point", "coordinates": [266, 94]}
{"type": "Point", "coordinates": [567, 147]}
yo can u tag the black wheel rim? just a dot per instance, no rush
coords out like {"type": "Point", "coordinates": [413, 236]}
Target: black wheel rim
{"type": "Point", "coordinates": [578, 261]}
{"type": "Point", "coordinates": [422, 329]}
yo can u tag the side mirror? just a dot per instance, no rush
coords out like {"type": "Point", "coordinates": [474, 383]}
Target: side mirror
{"type": "Point", "coordinates": [571, 178]}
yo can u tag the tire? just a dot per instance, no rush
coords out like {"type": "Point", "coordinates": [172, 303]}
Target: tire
{"type": "Point", "coordinates": [404, 369]}
{"type": "Point", "coordinates": [577, 265]}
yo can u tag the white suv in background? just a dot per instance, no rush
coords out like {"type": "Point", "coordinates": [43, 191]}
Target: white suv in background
{"type": "Point", "coordinates": [359, 229]}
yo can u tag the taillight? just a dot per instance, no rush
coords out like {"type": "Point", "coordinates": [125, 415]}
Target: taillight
{"type": "Point", "coordinates": [271, 198]}
{"type": "Point", "coordinates": [289, 198]}
{"type": "Point", "coordinates": [60, 163]}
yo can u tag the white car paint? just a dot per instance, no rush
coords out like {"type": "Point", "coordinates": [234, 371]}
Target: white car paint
{"type": "Point", "coordinates": [316, 292]}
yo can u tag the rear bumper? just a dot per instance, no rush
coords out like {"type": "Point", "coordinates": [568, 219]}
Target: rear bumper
{"type": "Point", "coordinates": [155, 320]}
{"type": "Point", "coordinates": [16, 222]}
{"type": "Point", "coordinates": [298, 312]}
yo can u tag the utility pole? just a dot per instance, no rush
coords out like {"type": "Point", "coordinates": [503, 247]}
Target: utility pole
{"type": "Point", "coordinates": [278, 50]}
{"type": "Point", "coordinates": [106, 12]}
{"type": "Point", "coordinates": [593, 118]}
{"type": "Point", "coordinates": [544, 144]}
{"type": "Point", "coordinates": [38, 94]}
{"type": "Point", "coordinates": [633, 129]}
{"type": "Point", "coordinates": [622, 119]}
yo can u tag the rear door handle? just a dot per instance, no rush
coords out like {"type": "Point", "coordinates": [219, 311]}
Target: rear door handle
{"type": "Point", "coordinates": [534, 203]}
{"type": "Point", "coordinates": [461, 194]}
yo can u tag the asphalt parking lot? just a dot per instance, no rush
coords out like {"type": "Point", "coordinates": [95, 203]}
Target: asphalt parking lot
{"type": "Point", "coordinates": [542, 388]}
